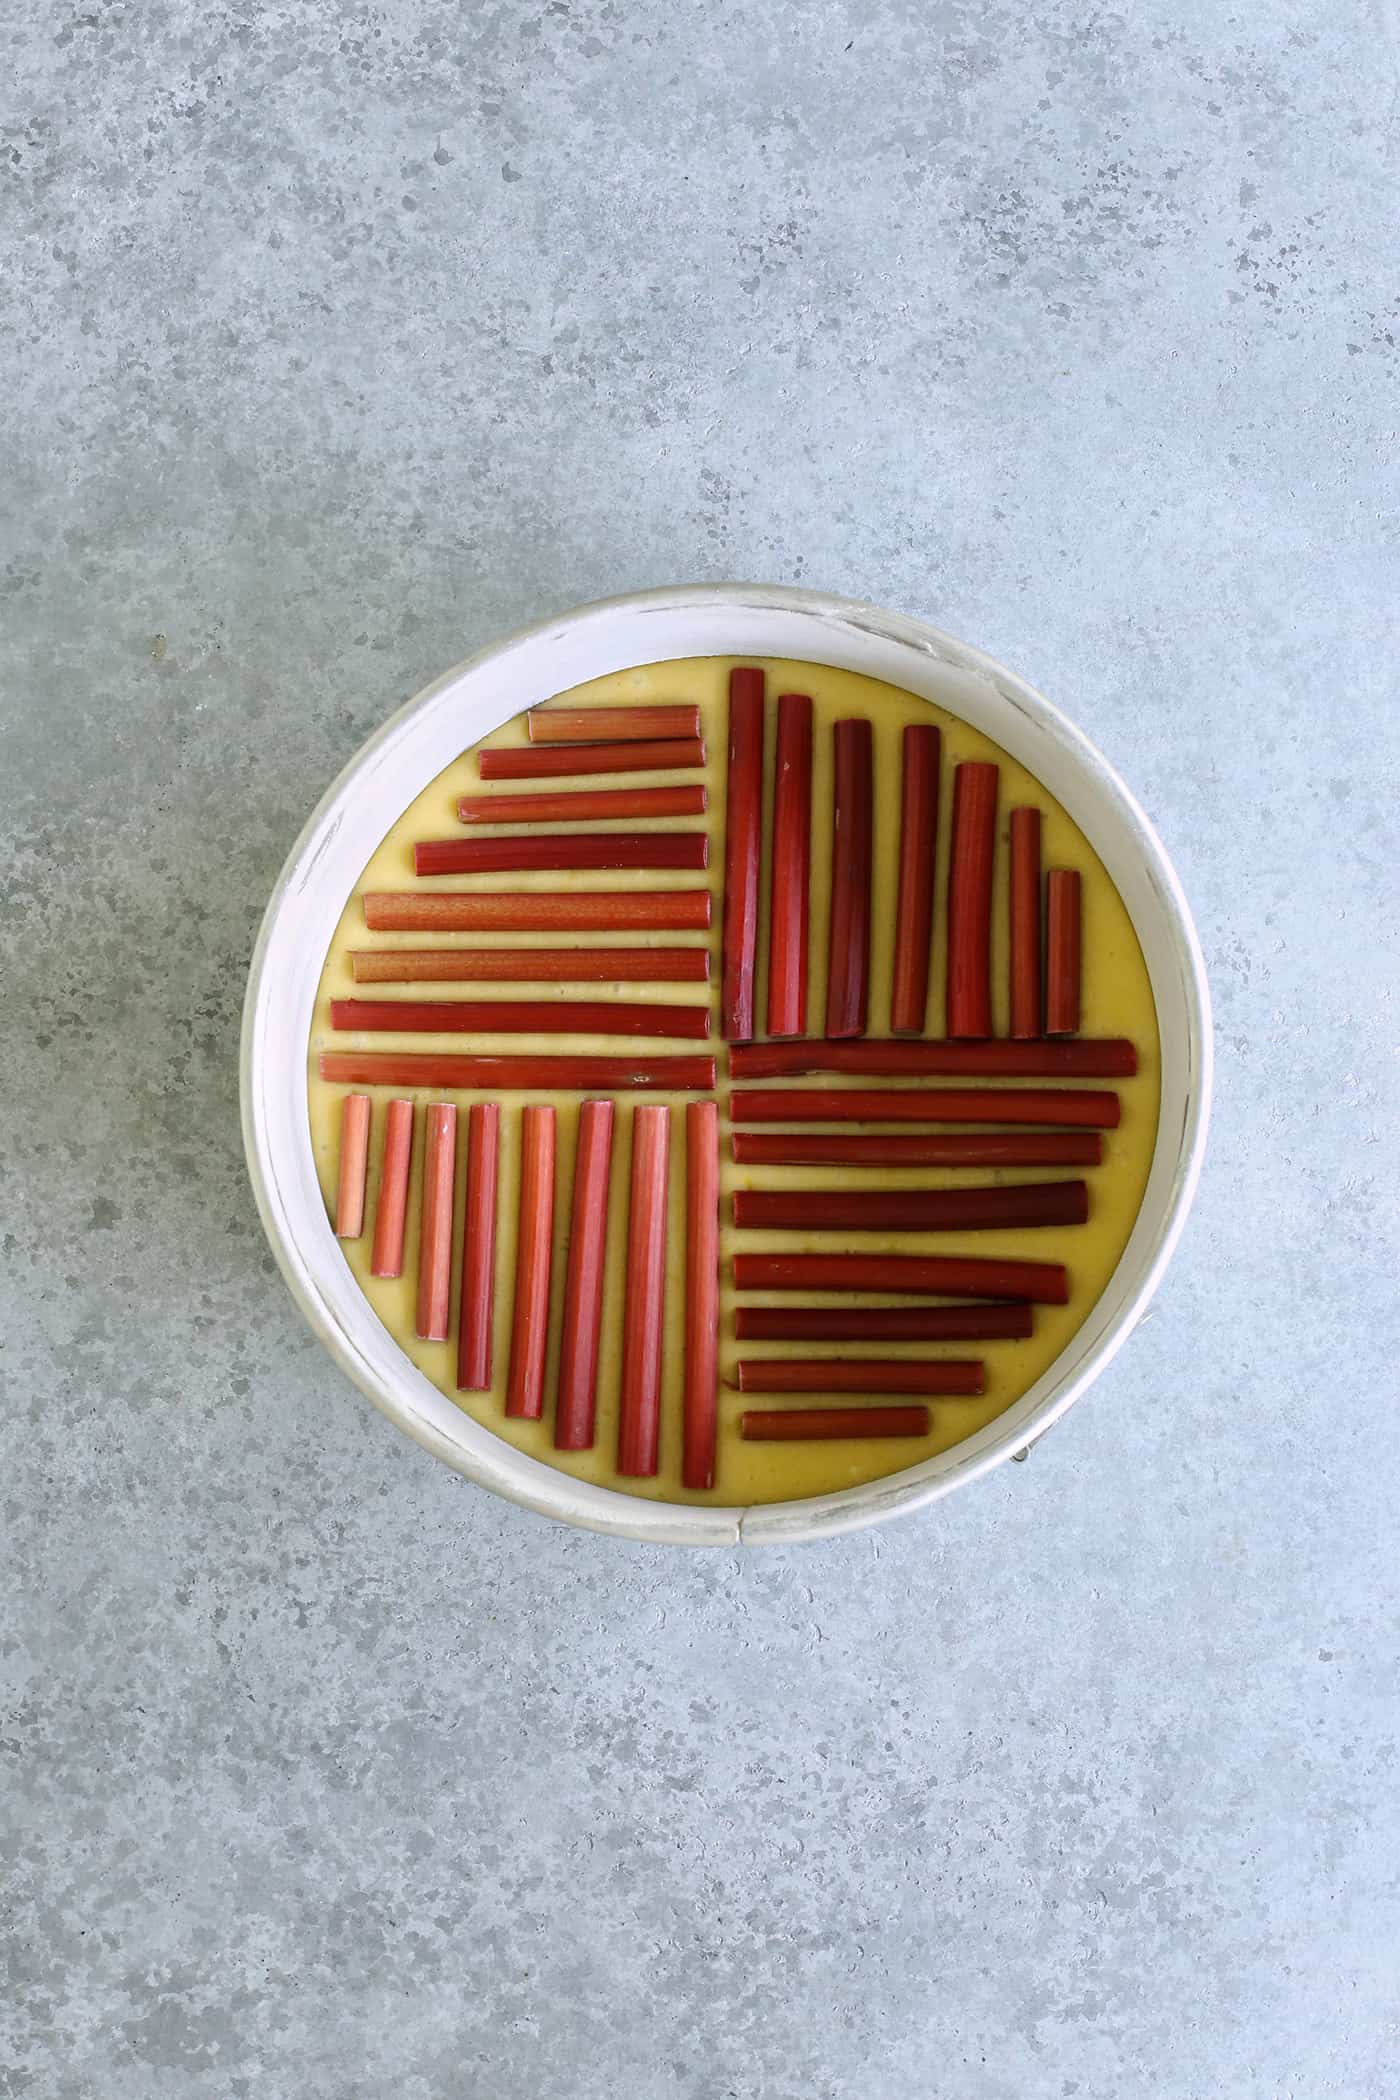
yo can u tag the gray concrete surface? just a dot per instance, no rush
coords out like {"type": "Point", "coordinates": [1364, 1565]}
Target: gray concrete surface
{"type": "Point", "coordinates": [337, 339]}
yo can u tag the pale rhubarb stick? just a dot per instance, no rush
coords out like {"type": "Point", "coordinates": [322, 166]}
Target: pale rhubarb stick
{"type": "Point", "coordinates": [519, 1017]}
{"type": "Point", "coordinates": [1014, 1207]}
{"type": "Point", "coordinates": [530, 965]}
{"type": "Point", "coordinates": [846, 1374]}
{"type": "Point", "coordinates": [1050, 1148]}
{"type": "Point", "coordinates": [559, 762]}
{"type": "Point", "coordinates": [791, 867]}
{"type": "Point", "coordinates": [700, 1406]}
{"type": "Point", "coordinates": [742, 846]}
{"type": "Point", "coordinates": [435, 1236]}
{"type": "Point", "coordinates": [969, 945]}
{"type": "Point", "coordinates": [476, 1312]}
{"type": "Point", "coordinates": [1105, 1057]}
{"type": "Point", "coordinates": [1062, 967]}
{"type": "Point", "coordinates": [583, 805]}
{"type": "Point", "coordinates": [529, 1329]}
{"type": "Point", "coordinates": [848, 949]}
{"type": "Point", "coordinates": [354, 1164]}
{"type": "Point", "coordinates": [1067, 1106]}
{"type": "Point", "coordinates": [536, 911]}
{"type": "Point", "coordinates": [576, 1405]}
{"type": "Point", "coordinates": [639, 1419]}
{"type": "Point", "coordinates": [505, 1075]}
{"type": "Point", "coordinates": [611, 725]}
{"type": "Point", "coordinates": [386, 1255]}
{"type": "Point", "coordinates": [913, 1275]}
{"type": "Point", "coordinates": [1025, 923]}
{"type": "Point", "coordinates": [559, 851]}
{"type": "Point", "coordinates": [805, 1425]}
{"type": "Point", "coordinates": [918, 846]}
{"type": "Point", "coordinates": [882, 1323]}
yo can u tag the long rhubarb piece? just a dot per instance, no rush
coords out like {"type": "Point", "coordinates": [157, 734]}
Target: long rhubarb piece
{"type": "Point", "coordinates": [699, 1420]}
{"type": "Point", "coordinates": [536, 911]}
{"type": "Point", "coordinates": [1106, 1057]}
{"type": "Point", "coordinates": [1051, 1148]}
{"type": "Point", "coordinates": [1017, 1206]}
{"type": "Point", "coordinates": [639, 1419]}
{"type": "Point", "coordinates": [969, 945]}
{"type": "Point", "coordinates": [529, 1329]}
{"type": "Point", "coordinates": [580, 1073]}
{"type": "Point", "coordinates": [354, 1166]}
{"type": "Point", "coordinates": [576, 1406]}
{"type": "Point", "coordinates": [519, 1017]}
{"type": "Point", "coordinates": [916, 1275]}
{"type": "Point", "coordinates": [848, 948]}
{"type": "Point", "coordinates": [742, 846]}
{"type": "Point", "coordinates": [848, 1374]}
{"type": "Point", "coordinates": [530, 965]}
{"type": "Point", "coordinates": [882, 1323]}
{"type": "Point", "coordinates": [1025, 923]}
{"type": "Point", "coordinates": [435, 1238]}
{"type": "Point", "coordinates": [1062, 966]}
{"type": "Point", "coordinates": [918, 846]}
{"type": "Point", "coordinates": [556, 851]}
{"type": "Point", "coordinates": [1082, 1110]}
{"type": "Point", "coordinates": [806, 1425]}
{"type": "Point", "coordinates": [583, 805]}
{"type": "Point", "coordinates": [391, 1212]}
{"type": "Point", "coordinates": [611, 725]}
{"type": "Point", "coordinates": [476, 1312]}
{"type": "Point", "coordinates": [790, 876]}
{"type": "Point", "coordinates": [561, 761]}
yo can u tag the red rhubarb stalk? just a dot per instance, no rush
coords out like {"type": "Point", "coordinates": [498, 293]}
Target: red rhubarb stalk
{"type": "Point", "coordinates": [536, 911]}
{"type": "Point", "coordinates": [700, 1406]}
{"type": "Point", "coordinates": [882, 1323]}
{"type": "Point", "coordinates": [1025, 923]}
{"type": "Point", "coordinates": [1012, 1208]}
{"type": "Point", "coordinates": [475, 1316]}
{"type": "Point", "coordinates": [529, 1331]}
{"type": "Point", "coordinates": [519, 1017]}
{"type": "Point", "coordinates": [805, 1425]}
{"type": "Point", "coordinates": [554, 851]}
{"type": "Point", "coordinates": [1082, 1110]}
{"type": "Point", "coordinates": [386, 1255]}
{"type": "Point", "coordinates": [915, 1275]}
{"type": "Point", "coordinates": [791, 867]}
{"type": "Point", "coordinates": [742, 845]}
{"type": "Point", "coordinates": [848, 949]}
{"type": "Point", "coordinates": [969, 945]}
{"type": "Point", "coordinates": [561, 761]}
{"type": "Point", "coordinates": [530, 965]}
{"type": "Point", "coordinates": [583, 805]}
{"type": "Point", "coordinates": [1062, 966]}
{"type": "Point", "coordinates": [847, 1374]}
{"type": "Point", "coordinates": [639, 1421]}
{"type": "Point", "coordinates": [918, 845]}
{"type": "Point", "coordinates": [1107, 1057]}
{"type": "Point", "coordinates": [504, 1075]}
{"type": "Point", "coordinates": [611, 725]}
{"type": "Point", "coordinates": [435, 1236]}
{"type": "Point", "coordinates": [1051, 1148]}
{"type": "Point", "coordinates": [354, 1164]}
{"type": "Point", "coordinates": [583, 1280]}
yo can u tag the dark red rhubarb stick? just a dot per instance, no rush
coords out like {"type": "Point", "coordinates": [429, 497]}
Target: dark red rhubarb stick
{"type": "Point", "coordinates": [969, 945]}
{"type": "Point", "coordinates": [805, 1425]}
{"type": "Point", "coordinates": [1062, 936]}
{"type": "Point", "coordinates": [918, 845]}
{"type": "Point", "coordinates": [924, 1104]}
{"type": "Point", "coordinates": [561, 761]}
{"type": "Point", "coordinates": [1014, 1207]}
{"type": "Point", "coordinates": [435, 1237]}
{"type": "Point", "coordinates": [848, 948]}
{"type": "Point", "coordinates": [882, 1323]}
{"type": "Point", "coordinates": [504, 1075]}
{"type": "Point", "coordinates": [354, 1165]}
{"type": "Point", "coordinates": [582, 805]}
{"type": "Point", "coordinates": [742, 845]}
{"type": "Point", "coordinates": [475, 1314]}
{"type": "Point", "coordinates": [536, 911]}
{"type": "Point", "coordinates": [1025, 923]}
{"type": "Point", "coordinates": [1106, 1057]}
{"type": "Point", "coordinates": [611, 725]}
{"type": "Point", "coordinates": [391, 1213]}
{"type": "Point", "coordinates": [519, 1017]}
{"type": "Point", "coordinates": [529, 1328]}
{"type": "Point", "coordinates": [791, 867]}
{"type": "Point", "coordinates": [583, 1280]}
{"type": "Point", "coordinates": [915, 1275]}
{"type": "Point", "coordinates": [554, 851]}
{"type": "Point", "coordinates": [844, 1374]}
{"type": "Point", "coordinates": [530, 965]}
{"type": "Point", "coordinates": [639, 1420]}
{"type": "Point", "coordinates": [1051, 1148]}
{"type": "Point", "coordinates": [700, 1410]}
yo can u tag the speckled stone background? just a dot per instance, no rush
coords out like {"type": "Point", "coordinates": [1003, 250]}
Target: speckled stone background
{"type": "Point", "coordinates": [338, 338]}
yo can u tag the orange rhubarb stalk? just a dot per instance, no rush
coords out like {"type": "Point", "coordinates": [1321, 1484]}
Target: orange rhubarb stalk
{"type": "Point", "coordinates": [354, 1165]}
{"type": "Point", "coordinates": [435, 1238]}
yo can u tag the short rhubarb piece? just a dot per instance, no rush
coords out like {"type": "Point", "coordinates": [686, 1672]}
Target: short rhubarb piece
{"type": "Point", "coordinates": [918, 846]}
{"type": "Point", "coordinates": [1073, 1107]}
{"type": "Point", "coordinates": [476, 1313]}
{"type": "Point", "coordinates": [530, 965]}
{"type": "Point", "coordinates": [533, 1250]}
{"type": "Point", "coordinates": [1000, 1207]}
{"type": "Point", "coordinates": [576, 1407]}
{"type": "Point", "coordinates": [1025, 923]}
{"type": "Point", "coordinates": [742, 848]}
{"type": "Point", "coordinates": [981, 1148]}
{"type": "Point", "coordinates": [560, 761]}
{"type": "Point", "coordinates": [805, 1425]}
{"type": "Point", "coordinates": [391, 1213]}
{"type": "Point", "coordinates": [1062, 942]}
{"type": "Point", "coordinates": [848, 949]}
{"type": "Point", "coordinates": [354, 1167]}
{"type": "Point", "coordinates": [790, 879]}
{"type": "Point", "coordinates": [611, 725]}
{"type": "Point", "coordinates": [639, 1423]}
{"type": "Point", "coordinates": [700, 1404]}
{"type": "Point", "coordinates": [560, 851]}
{"type": "Point", "coordinates": [536, 911]}
{"type": "Point", "coordinates": [911, 1275]}
{"type": "Point", "coordinates": [848, 1374]}
{"type": "Point", "coordinates": [583, 805]}
{"type": "Point", "coordinates": [970, 870]}
{"type": "Point", "coordinates": [435, 1238]}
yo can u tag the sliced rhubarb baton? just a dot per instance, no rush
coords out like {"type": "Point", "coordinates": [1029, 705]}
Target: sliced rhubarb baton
{"type": "Point", "coordinates": [805, 1425]}
{"type": "Point", "coordinates": [580, 1073]}
{"type": "Point", "coordinates": [848, 949]}
{"type": "Point", "coordinates": [845, 1374]}
{"type": "Point", "coordinates": [1025, 923]}
{"type": "Point", "coordinates": [791, 870]}
{"type": "Point", "coordinates": [391, 1213]}
{"type": "Point", "coordinates": [354, 1165]}
{"type": "Point", "coordinates": [914, 1275]}
{"type": "Point", "coordinates": [1013, 1207]}
{"type": "Point", "coordinates": [742, 844]}
{"type": "Point", "coordinates": [611, 725]}
{"type": "Point", "coordinates": [700, 1413]}
{"type": "Point", "coordinates": [1107, 1057]}
{"type": "Point", "coordinates": [583, 805]}
{"type": "Point", "coordinates": [435, 1238]}
{"type": "Point", "coordinates": [882, 1323]}
{"type": "Point", "coordinates": [536, 911]}
{"type": "Point", "coordinates": [519, 1017]}
{"type": "Point", "coordinates": [475, 1317]}
{"type": "Point", "coordinates": [1062, 953]}
{"type": "Point", "coordinates": [971, 863]}
{"type": "Point", "coordinates": [560, 851]}
{"type": "Point", "coordinates": [990, 1148]}
{"type": "Point", "coordinates": [559, 762]}
{"type": "Point", "coordinates": [530, 965]}
{"type": "Point", "coordinates": [918, 846]}
{"type": "Point", "coordinates": [533, 1250]}
{"type": "Point", "coordinates": [639, 1421]}
{"type": "Point", "coordinates": [583, 1280]}
{"type": "Point", "coordinates": [1070, 1106]}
